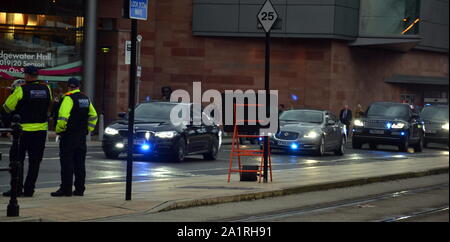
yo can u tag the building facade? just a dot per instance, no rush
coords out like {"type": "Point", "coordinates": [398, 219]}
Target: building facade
{"type": "Point", "coordinates": [325, 53]}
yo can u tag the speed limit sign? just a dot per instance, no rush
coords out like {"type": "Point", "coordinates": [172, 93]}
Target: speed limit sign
{"type": "Point", "coordinates": [267, 16]}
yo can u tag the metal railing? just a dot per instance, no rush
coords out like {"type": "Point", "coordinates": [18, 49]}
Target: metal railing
{"type": "Point", "coordinates": [14, 166]}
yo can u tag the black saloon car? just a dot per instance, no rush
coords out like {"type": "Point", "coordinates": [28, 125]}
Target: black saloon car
{"type": "Point", "coordinates": [386, 123]}
{"type": "Point", "coordinates": [156, 135]}
{"type": "Point", "coordinates": [436, 120]}
{"type": "Point", "coordinates": [314, 131]}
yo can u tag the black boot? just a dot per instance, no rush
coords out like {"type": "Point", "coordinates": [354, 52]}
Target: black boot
{"type": "Point", "coordinates": [8, 194]}
{"type": "Point", "coordinates": [78, 193]}
{"type": "Point", "coordinates": [61, 193]}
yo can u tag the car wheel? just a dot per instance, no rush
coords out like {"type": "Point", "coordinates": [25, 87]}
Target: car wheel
{"type": "Point", "coordinates": [111, 154]}
{"type": "Point", "coordinates": [425, 144]}
{"type": "Point", "coordinates": [341, 149]}
{"type": "Point", "coordinates": [419, 146]}
{"type": "Point", "coordinates": [404, 145]}
{"type": "Point", "coordinates": [180, 153]}
{"type": "Point", "coordinates": [321, 150]}
{"type": "Point", "coordinates": [373, 146]}
{"type": "Point", "coordinates": [213, 151]}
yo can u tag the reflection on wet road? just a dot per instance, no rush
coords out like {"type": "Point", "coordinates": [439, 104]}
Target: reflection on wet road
{"type": "Point", "coordinates": [101, 170]}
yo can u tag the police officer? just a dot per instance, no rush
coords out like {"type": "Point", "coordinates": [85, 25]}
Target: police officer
{"type": "Point", "coordinates": [31, 101]}
{"type": "Point", "coordinates": [76, 118]}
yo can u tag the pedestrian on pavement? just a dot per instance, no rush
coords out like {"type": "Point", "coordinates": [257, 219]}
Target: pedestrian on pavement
{"type": "Point", "coordinates": [346, 118]}
{"type": "Point", "coordinates": [31, 101]}
{"type": "Point", "coordinates": [76, 118]}
{"type": "Point", "coordinates": [359, 112]}
{"type": "Point", "coordinates": [281, 109]}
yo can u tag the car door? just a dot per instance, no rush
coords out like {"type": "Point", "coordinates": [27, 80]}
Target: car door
{"type": "Point", "coordinates": [329, 131]}
{"type": "Point", "coordinates": [335, 131]}
{"type": "Point", "coordinates": [196, 134]}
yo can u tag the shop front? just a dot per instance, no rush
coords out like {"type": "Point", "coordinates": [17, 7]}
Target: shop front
{"type": "Point", "coordinates": [45, 33]}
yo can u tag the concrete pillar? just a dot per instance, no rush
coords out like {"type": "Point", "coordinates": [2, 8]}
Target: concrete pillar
{"type": "Point", "coordinates": [90, 48]}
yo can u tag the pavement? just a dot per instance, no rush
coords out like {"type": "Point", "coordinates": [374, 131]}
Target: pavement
{"type": "Point", "coordinates": [107, 200]}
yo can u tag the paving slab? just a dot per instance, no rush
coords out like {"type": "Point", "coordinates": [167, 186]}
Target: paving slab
{"type": "Point", "coordinates": [108, 200]}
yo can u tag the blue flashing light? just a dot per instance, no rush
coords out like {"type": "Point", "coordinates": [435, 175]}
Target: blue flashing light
{"type": "Point", "coordinates": [427, 104]}
{"type": "Point", "coordinates": [145, 147]}
{"type": "Point", "coordinates": [388, 125]}
{"type": "Point", "coordinates": [260, 138]}
{"type": "Point", "coordinates": [294, 146]}
{"type": "Point", "coordinates": [294, 97]}
{"type": "Point", "coordinates": [402, 133]}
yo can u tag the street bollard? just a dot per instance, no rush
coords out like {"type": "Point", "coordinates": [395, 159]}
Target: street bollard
{"type": "Point", "coordinates": [13, 206]}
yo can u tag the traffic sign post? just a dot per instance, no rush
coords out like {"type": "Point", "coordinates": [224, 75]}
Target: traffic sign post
{"type": "Point", "coordinates": [137, 10]}
{"type": "Point", "coordinates": [267, 17]}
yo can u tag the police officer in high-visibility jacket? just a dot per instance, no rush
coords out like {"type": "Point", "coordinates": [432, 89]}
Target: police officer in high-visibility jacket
{"type": "Point", "coordinates": [76, 118]}
{"type": "Point", "coordinates": [31, 101]}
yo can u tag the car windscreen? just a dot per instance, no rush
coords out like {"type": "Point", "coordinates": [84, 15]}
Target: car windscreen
{"type": "Point", "coordinates": [388, 110]}
{"type": "Point", "coordinates": [303, 116]}
{"type": "Point", "coordinates": [435, 113]}
{"type": "Point", "coordinates": [154, 112]}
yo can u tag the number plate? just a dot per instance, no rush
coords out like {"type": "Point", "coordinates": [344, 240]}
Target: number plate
{"type": "Point", "coordinates": [135, 141]}
{"type": "Point", "coordinates": [284, 143]}
{"type": "Point", "coordinates": [376, 131]}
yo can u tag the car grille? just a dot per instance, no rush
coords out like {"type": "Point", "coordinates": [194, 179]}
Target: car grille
{"type": "Point", "coordinates": [287, 135]}
{"type": "Point", "coordinates": [433, 126]}
{"type": "Point", "coordinates": [139, 134]}
{"type": "Point", "coordinates": [374, 124]}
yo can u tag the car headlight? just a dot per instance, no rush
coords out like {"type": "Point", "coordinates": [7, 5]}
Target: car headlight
{"type": "Point", "coordinates": [166, 135]}
{"type": "Point", "coordinates": [358, 123]}
{"type": "Point", "coordinates": [111, 131]}
{"type": "Point", "coordinates": [445, 126]}
{"type": "Point", "coordinates": [311, 135]}
{"type": "Point", "coordinates": [398, 125]}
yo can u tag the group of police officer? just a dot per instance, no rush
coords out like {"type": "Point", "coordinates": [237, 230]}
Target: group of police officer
{"type": "Point", "coordinates": [76, 117]}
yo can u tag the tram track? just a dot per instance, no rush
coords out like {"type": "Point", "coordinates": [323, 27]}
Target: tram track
{"type": "Point", "coordinates": [363, 201]}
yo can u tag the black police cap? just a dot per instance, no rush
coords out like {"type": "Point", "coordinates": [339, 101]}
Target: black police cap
{"type": "Point", "coordinates": [73, 82]}
{"type": "Point", "coordinates": [31, 70]}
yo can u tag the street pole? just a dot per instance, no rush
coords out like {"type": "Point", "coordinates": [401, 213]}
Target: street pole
{"type": "Point", "coordinates": [267, 88]}
{"type": "Point", "coordinates": [131, 106]}
{"type": "Point", "coordinates": [105, 50]}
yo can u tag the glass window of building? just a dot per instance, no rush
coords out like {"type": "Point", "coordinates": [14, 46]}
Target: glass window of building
{"type": "Point", "coordinates": [45, 33]}
{"type": "Point", "coordinates": [389, 17]}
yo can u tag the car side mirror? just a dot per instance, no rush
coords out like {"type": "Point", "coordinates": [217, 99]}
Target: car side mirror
{"type": "Point", "coordinates": [122, 115]}
{"type": "Point", "coordinates": [331, 122]}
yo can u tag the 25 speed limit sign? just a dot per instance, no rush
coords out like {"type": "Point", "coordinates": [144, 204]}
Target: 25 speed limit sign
{"type": "Point", "coordinates": [267, 16]}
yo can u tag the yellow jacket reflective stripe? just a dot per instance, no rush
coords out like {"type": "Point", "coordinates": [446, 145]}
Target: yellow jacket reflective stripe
{"type": "Point", "coordinates": [11, 104]}
{"type": "Point", "coordinates": [64, 114]}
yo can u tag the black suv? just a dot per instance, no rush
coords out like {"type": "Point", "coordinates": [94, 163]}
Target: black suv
{"type": "Point", "coordinates": [435, 118]}
{"type": "Point", "coordinates": [389, 124]}
{"type": "Point", "coordinates": [156, 135]}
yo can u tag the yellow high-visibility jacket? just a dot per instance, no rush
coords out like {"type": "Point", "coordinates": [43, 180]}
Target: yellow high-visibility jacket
{"type": "Point", "coordinates": [10, 106]}
{"type": "Point", "coordinates": [65, 110]}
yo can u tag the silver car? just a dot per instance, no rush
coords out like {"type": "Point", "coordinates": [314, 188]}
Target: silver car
{"type": "Point", "coordinates": [314, 131]}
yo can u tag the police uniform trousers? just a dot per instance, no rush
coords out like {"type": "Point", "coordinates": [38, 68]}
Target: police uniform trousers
{"type": "Point", "coordinates": [32, 143]}
{"type": "Point", "coordinates": [72, 148]}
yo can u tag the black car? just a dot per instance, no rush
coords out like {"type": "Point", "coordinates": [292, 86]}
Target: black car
{"type": "Point", "coordinates": [386, 123]}
{"type": "Point", "coordinates": [436, 120]}
{"type": "Point", "coordinates": [156, 135]}
{"type": "Point", "coordinates": [306, 130]}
